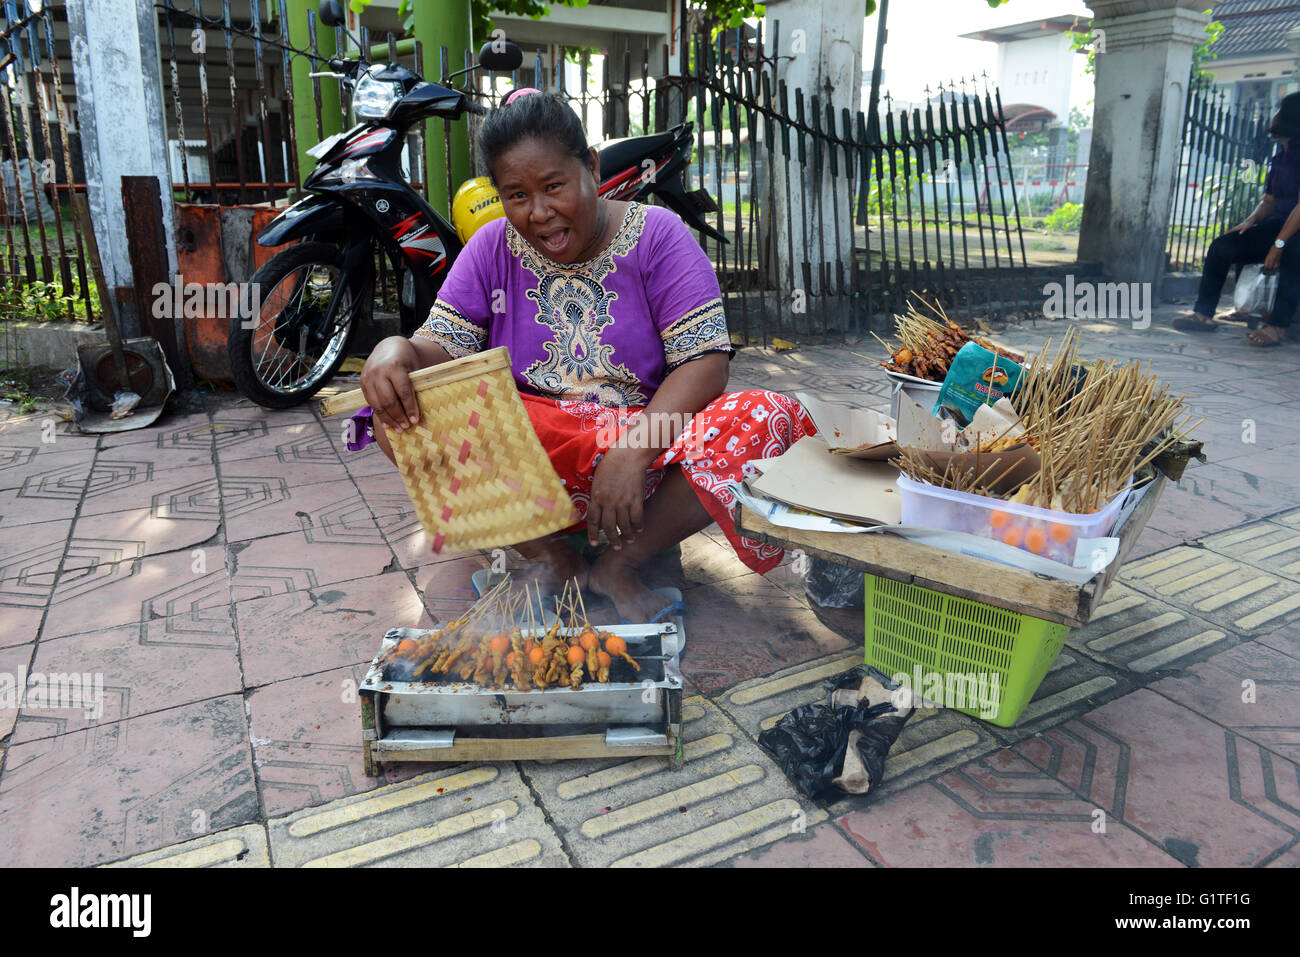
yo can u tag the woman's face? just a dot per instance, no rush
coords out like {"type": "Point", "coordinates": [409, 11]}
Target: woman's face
{"type": "Point", "coordinates": [550, 197]}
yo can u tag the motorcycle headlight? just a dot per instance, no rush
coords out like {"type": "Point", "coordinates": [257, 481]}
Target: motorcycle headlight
{"type": "Point", "coordinates": [374, 99]}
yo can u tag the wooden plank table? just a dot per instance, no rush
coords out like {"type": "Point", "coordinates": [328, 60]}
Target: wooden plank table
{"type": "Point", "coordinates": [963, 576]}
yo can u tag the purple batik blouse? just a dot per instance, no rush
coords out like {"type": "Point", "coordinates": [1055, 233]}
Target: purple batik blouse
{"type": "Point", "coordinates": [607, 330]}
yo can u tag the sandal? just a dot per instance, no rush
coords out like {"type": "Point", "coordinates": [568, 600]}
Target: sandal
{"type": "Point", "coordinates": [1193, 323]}
{"type": "Point", "coordinates": [1266, 336]}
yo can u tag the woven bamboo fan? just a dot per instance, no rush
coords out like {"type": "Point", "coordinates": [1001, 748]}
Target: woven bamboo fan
{"type": "Point", "coordinates": [475, 470]}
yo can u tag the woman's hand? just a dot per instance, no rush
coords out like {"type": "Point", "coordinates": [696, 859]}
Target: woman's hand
{"type": "Point", "coordinates": [1242, 226]}
{"type": "Point", "coordinates": [386, 383]}
{"type": "Point", "coordinates": [617, 497]}
{"type": "Point", "coordinates": [1273, 260]}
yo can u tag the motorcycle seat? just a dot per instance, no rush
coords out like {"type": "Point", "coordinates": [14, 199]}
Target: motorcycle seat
{"type": "Point", "coordinates": [617, 155]}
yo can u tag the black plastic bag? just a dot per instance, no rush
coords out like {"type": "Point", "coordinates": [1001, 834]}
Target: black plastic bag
{"type": "Point", "coordinates": [812, 743]}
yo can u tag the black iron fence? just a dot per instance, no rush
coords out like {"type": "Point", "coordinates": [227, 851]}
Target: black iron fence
{"type": "Point", "coordinates": [1221, 171]}
{"type": "Point", "coordinates": [43, 271]}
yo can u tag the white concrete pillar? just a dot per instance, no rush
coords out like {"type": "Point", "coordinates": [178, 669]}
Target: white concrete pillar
{"type": "Point", "coordinates": [123, 127]}
{"type": "Point", "coordinates": [1141, 91]}
{"type": "Point", "coordinates": [820, 51]}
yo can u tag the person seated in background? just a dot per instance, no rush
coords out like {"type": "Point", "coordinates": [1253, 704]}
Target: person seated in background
{"type": "Point", "coordinates": [613, 314]}
{"type": "Point", "coordinates": [1265, 236]}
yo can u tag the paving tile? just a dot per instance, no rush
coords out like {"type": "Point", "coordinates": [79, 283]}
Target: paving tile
{"type": "Point", "coordinates": [168, 457]}
{"type": "Point", "coordinates": [292, 473]}
{"type": "Point", "coordinates": [1276, 464]}
{"type": "Point", "coordinates": [306, 735]}
{"type": "Point", "coordinates": [1073, 685]}
{"type": "Point", "coordinates": [126, 787]}
{"type": "Point", "coordinates": [18, 463]}
{"type": "Point", "coordinates": [110, 583]}
{"type": "Point", "coordinates": [1272, 545]}
{"type": "Point", "coordinates": [728, 798]}
{"type": "Point", "coordinates": [995, 811]}
{"type": "Point", "coordinates": [1135, 631]}
{"type": "Point", "coordinates": [1285, 639]}
{"type": "Point", "coordinates": [130, 675]}
{"type": "Point", "coordinates": [450, 579]}
{"type": "Point", "coordinates": [237, 440]}
{"type": "Point", "coordinates": [33, 505]}
{"type": "Point", "coordinates": [171, 431]}
{"type": "Point", "coordinates": [744, 627]}
{"type": "Point", "coordinates": [1152, 540]}
{"type": "Point", "coordinates": [14, 667]}
{"type": "Point", "coordinates": [44, 429]}
{"type": "Point", "coordinates": [29, 564]}
{"type": "Point", "coordinates": [119, 485]}
{"type": "Point", "coordinates": [333, 552]}
{"type": "Point", "coordinates": [933, 740]}
{"type": "Point", "coordinates": [157, 533]}
{"type": "Point", "coordinates": [313, 630]}
{"type": "Point", "coordinates": [1252, 689]}
{"type": "Point", "coordinates": [240, 847]}
{"type": "Point", "coordinates": [821, 846]}
{"type": "Point", "coordinates": [256, 507]}
{"type": "Point", "coordinates": [1228, 593]}
{"type": "Point", "coordinates": [1213, 498]}
{"type": "Point", "coordinates": [480, 815]}
{"type": "Point", "coordinates": [1207, 795]}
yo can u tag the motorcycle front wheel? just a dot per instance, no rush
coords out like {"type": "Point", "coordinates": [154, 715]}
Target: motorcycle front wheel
{"type": "Point", "coordinates": [295, 344]}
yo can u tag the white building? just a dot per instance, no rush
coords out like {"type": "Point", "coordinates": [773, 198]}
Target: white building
{"type": "Point", "coordinates": [1035, 70]}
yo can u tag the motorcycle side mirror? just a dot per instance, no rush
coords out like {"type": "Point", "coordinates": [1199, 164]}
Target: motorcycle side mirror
{"type": "Point", "coordinates": [330, 13]}
{"type": "Point", "coordinates": [501, 56]}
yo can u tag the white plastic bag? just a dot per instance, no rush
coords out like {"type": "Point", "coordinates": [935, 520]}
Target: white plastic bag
{"type": "Point", "coordinates": [1255, 291]}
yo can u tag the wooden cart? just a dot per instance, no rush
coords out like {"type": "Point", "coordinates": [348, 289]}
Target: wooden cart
{"type": "Point", "coordinates": [963, 576]}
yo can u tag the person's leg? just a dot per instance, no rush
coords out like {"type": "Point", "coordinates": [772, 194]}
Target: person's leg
{"type": "Point", "coordinates": [672, 514]}
{"type": "Point", "coordinates": [1222, 254]}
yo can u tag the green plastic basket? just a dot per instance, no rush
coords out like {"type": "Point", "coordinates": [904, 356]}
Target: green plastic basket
{"type": "Point", "coordinates": [996, 657]}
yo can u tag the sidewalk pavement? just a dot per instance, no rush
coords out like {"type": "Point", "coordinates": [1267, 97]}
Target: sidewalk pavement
{"type": "Point", "coordinates": [229, 574]}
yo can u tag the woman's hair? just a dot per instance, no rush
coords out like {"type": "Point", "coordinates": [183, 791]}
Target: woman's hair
{"type": "Point", "coordinates": [539, 115]}
{"type": "Point", "coordinates": [1287, 121]}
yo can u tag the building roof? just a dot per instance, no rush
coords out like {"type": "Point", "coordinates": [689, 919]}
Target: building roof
{"type": "Point", "coordinates": [1030, 30]}
{"type": "Point", "coordinates": [1254, 27]}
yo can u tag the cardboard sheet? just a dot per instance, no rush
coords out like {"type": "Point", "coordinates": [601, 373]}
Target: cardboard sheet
{"type": "Point", "coordinates": [854, 433]}
{"type": "Point", "coordinates": [811, 477]}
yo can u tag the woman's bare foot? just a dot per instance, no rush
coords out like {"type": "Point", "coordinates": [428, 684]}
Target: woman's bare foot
{"type": "Point", "coordinates": [1267, 335]}
{"type": "Point", "coordinates": [618, 581]}
{"type": "Point", "coordinates": [1194, 322]}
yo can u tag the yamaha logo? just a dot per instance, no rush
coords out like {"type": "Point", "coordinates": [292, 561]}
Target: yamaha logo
{"type": "Point", "coordinates": [381, 205]}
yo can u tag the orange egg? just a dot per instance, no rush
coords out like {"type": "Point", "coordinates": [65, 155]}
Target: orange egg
{"type": "Point", "coordinates": [1061, 533]}
{"type": "Point", "coordinates": [587, 639]}
{"type": "Point", "coordinates": [406, 647]}
{"type": "Point", "coordinates": [999, 519]}
{"type": "Point", "coordinates": [536, 655]}
{"type": "Point", "coordinates": [577, 655]}
{"type": "Point", "coordinates": [510, 660]}
{"type": "Point", "coordinates": [604, 658]}
{"type": "Point", "coordinates": [500, 644]}
{"type": "Point", "coordinates": [1013, 535]}
{"type": "Point", "coordinates": [1035, 540]}
{"type": "Point", "coordinates": [615, 645]}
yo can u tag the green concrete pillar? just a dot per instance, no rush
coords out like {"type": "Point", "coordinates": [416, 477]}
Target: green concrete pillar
{"type": "Point", "coordinates": [444, 23]}
{"type": "Point", "coordinates": [304, 99]}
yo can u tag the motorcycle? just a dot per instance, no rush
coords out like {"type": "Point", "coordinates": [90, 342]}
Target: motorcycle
{"type": "Point", "coordinates": [317, 293]}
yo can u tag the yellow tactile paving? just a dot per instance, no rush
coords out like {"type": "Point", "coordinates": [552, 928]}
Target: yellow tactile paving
{"type": "Point", "coordinates": [1272, 545]}
{"type": "Point", "coordinates": [640, 813]}
{"type": "Point", "coordinates": [1065, 698]}
{"type": "Point", "coordinates": [1225, 590]}
{"type": "Point", "coordinates": [237, 847]}
{"type": "Point", "coordinates": [1143, 633]}
{"type": "Point", "coordinates": [465, 815]}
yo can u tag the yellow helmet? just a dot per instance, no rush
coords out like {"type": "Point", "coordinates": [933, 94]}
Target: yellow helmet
{"type": "Point", "coordinates": [476, 202]}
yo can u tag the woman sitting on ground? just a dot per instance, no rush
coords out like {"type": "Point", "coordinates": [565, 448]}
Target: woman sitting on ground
{"type": "Point", "coordinates": [1264, 236]}
{"type": "Point", "coordinates": [604, 306]}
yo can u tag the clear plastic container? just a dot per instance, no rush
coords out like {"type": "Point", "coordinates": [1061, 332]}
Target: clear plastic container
{"type": "Point", "coordinates": [1051, 534]}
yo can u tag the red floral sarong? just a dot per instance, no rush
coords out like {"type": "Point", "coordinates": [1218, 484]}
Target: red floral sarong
{"type": "Point", "coordinates": [714, 450]}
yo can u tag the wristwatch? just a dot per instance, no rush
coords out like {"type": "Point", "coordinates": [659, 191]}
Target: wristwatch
{"type": "Point", "coordinates": [1279, 243]}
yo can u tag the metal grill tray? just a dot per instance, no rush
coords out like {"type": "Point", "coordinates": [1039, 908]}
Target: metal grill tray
{"type": "Point", "coordinates": [461, 704]}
